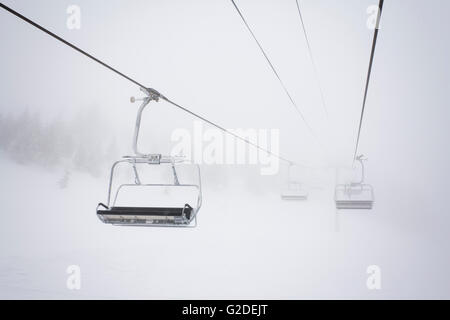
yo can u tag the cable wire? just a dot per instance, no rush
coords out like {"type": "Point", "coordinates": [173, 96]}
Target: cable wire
{"type": "Point", "coordinates": [274, 70]}
{"type": "Point", "coordinates": [34, 24]}
{"type": "Point", "coordinates": [372, 54]}
{"type": "Point", "coordinates": [142, 86]}
{"type": "Point", "coordinates": [322, 96]}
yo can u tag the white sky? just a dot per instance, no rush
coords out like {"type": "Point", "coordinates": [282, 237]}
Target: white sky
{"type": "Point", "coordinates": [200, 55]}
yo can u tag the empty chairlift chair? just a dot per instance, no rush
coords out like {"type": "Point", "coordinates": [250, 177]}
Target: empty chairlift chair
{"type": "Point", "coordinates": [355, 195]}
{"type": "Point", "coordinates": [182, 215]}
{"type": "Point", "coordinates": [294, 189]}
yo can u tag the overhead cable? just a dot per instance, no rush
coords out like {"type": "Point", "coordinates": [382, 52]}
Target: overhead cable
{"type": "Point", "coordinates": [36, 25]}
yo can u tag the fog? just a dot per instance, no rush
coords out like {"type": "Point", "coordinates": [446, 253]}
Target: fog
{"type": "Point", "coordinates": [64, 119]}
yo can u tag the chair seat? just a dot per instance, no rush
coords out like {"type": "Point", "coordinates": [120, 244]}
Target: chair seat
{"type": "Point", "coordinates": [146, 211]}
{"type": "Point", "coordinates": [145, 215]}
{"type": "Point", "coordinates": [294, 194]}
{"type": "Point", "coordinates": [358, 198]}
{"type": "Point", "coordinates": [354, 204]}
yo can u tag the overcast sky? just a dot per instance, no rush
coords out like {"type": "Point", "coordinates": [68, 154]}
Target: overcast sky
{"type": "Point", "coordinates": [199, 54]}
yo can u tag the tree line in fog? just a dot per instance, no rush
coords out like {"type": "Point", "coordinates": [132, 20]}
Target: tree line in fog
{"type": "Point", "coordinates": [78, 144]}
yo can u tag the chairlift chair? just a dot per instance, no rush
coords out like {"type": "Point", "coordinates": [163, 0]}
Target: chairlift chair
{"type": "Point", "coordinates": [355, 195]}
{"type": "Point", "coordinates": [294, 189]}
{"type": "Point", "coordinates": [182, 215]}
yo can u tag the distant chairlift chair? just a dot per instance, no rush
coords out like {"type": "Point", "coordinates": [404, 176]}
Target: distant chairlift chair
{"type": "Point", "coordinates": [355, 195]}
{"type": "Point", "coordinates": [294, 189]}
{"type": "Point", "coordinates": [182, 216]}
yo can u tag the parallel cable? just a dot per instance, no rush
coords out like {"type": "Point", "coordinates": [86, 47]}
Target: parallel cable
{"type": "Point", "coordinates": [142, 86]}
{"type": "Point", "coordinates": [372, 54]}
{"type": "Point", "coordinates": [322, 96]}
{"type": "Point", "coordinates": [274, 70]}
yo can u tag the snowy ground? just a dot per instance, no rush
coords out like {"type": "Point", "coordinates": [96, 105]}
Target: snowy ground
{"type": "Point", "coordinates": [262, 248]}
